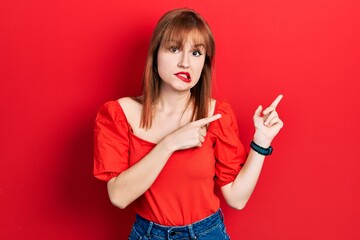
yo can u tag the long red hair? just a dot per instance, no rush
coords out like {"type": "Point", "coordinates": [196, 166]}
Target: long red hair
{"type": "Point", "coordinates": [176, 25]}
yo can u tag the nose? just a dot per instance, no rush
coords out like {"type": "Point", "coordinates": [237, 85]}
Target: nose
{"type": "Point", "coordinates": [184, 60]}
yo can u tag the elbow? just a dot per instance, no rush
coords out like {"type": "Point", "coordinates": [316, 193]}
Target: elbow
{"type": "Point", "coordinates": [238, 205]}
{"type": "Point", "coordinates": [118, 201]}
{"type": "Point", "coordinates": [119, 204]}
{"type": "Point", "coordinates": [117, 198]}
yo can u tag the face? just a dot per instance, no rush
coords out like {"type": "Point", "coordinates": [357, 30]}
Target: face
{"type": "Point", "coordinates": [179, 66]}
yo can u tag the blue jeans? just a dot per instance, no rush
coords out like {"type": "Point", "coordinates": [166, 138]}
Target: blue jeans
{"type": "Point", "coordinates": [211, 227]}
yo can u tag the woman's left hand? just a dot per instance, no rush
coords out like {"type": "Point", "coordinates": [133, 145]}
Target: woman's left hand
{"type": "Point", "coordinates": [267, 123]}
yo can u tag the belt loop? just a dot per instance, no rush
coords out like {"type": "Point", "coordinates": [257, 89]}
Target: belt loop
{"type": "Point", "coordinates": [221, 214]}
{"type": "Point", "coordinates": [191, 231]}
{"type": "Point", "coordinates": [149, 229]}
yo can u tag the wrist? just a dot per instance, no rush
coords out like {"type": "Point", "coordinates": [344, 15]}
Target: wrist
{"type": "Point", "coordinates": [262, 141]}
{"type": "Point", "coordinates": [167, 145]}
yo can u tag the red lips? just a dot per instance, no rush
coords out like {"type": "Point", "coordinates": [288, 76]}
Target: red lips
{"type": "Point", "coordinates": [183, 76]}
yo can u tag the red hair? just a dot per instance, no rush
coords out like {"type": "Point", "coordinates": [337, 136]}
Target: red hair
{"type": "Point", "coordinates": [176, 25]}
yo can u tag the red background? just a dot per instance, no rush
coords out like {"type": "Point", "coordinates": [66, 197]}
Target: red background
{"type": "Point", "coordinates": [60, 60]}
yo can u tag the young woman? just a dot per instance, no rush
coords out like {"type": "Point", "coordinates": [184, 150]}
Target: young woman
{"type": "Point", "coordinates": [163, 152]}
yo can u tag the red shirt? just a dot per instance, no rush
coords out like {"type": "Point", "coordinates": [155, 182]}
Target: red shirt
{"type": "Point", "coordinates": [183, 192]}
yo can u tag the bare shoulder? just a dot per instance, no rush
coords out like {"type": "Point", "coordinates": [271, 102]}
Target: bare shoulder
{"type": "Point", "coordinates": [126, 102]}
{"type": "Point", "coordinates": [132, 109]}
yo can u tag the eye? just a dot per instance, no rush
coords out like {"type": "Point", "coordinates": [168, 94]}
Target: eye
{"type": "Point", "coordinates": [196, 53]}
{"type": "Point", "coordinates": [174, 49]}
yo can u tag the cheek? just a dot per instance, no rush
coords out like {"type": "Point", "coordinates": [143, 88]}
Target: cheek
{"type": "Point", "coordinates": [197, 72]}
{"type": "Point", "coordinates": [161, 64]}
{"type": "Point", "coordinates": [199, 67]}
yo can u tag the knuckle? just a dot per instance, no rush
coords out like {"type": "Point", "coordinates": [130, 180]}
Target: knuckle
{"type": "Point", "coordinates": [281, 124]}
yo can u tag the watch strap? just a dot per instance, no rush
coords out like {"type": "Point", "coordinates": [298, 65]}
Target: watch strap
{"type": "Point", "coordinates": [261, 150]}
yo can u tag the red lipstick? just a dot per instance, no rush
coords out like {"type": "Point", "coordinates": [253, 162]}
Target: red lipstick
{"type": "Point", "coordinates": [183, 76]}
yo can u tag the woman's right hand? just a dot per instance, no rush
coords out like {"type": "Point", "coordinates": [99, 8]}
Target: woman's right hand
{"type": "Point", "coordinates": [191, 135]}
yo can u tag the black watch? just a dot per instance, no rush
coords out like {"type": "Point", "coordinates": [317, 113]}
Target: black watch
{"type": "Point", "coordinates": [261, 150]}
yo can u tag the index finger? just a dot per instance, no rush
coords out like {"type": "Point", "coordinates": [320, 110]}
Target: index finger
{"type": "Point", "coordinates": [276, 101]}
{"type": "Point", "coordinates": [202, 122]}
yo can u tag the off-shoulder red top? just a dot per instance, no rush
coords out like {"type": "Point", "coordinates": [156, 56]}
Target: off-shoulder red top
{"type": "Point", "coordinates": [183, 193]}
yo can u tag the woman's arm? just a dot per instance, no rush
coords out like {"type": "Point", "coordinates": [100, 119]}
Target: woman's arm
{"type": "Point", "coordinates": [267, 127]}
{"type": "Point", "coordinates": [134, 181]}
{"type": "Point", "coordinates": [137, 179]}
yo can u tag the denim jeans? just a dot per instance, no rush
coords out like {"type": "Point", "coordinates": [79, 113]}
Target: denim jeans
{"type": "Point", "coordinates": [211, 227]}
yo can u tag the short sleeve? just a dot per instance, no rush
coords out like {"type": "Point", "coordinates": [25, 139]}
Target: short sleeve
{"type": "Point", "coordinates": [111, 141]}
{"type": "Point", "coordinates": [229, 152]}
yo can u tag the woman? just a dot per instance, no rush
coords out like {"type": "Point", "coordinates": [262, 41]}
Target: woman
{"type": "Point", "coordinates": [164, 152]}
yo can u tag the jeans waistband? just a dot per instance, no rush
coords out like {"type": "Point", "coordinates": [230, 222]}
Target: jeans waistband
{"type": "Point", "coordinates": [191, 230]}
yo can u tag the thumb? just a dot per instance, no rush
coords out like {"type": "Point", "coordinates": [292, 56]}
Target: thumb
{"type": "Point", "coordinates": [258, 111]}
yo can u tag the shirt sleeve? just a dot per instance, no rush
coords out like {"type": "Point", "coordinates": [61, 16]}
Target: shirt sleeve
{"type": "Point", "coordinates": [111, 142]}
{"type": "Point", "coordinates": [229, 152]}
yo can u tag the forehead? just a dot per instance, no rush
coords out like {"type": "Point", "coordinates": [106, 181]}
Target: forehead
{"type": "Point", "coordinates": [193, 37]}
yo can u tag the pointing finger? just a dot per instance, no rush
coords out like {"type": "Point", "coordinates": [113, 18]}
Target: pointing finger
{"type": "Point", "coordinates": [204, 121]}
{"type": "Point", "coordinates": [276, 101]}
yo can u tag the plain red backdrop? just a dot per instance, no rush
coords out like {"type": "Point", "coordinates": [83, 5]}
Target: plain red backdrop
{"type": "Point", "coordinates": [60, 60]}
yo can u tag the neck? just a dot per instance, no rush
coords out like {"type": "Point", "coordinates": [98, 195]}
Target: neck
{"type": "Point", "coordinates": [173, 101]}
